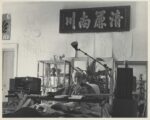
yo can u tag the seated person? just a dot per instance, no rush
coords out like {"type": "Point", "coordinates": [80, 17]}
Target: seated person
{"type": "Point", "coordinates": [27, 107]}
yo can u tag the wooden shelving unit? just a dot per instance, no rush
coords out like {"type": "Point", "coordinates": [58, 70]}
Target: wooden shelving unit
{"type": "Point", "coordinates": [54, 74]}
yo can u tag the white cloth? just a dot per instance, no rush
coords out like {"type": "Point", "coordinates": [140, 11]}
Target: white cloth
{"type": "Point", "coordinates": [122, 45]}
{"type": "Point", "coordinates": [103, 45]}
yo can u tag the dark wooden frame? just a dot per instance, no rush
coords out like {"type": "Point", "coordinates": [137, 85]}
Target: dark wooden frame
{"type": "Point", "coordinates": [75, 15]}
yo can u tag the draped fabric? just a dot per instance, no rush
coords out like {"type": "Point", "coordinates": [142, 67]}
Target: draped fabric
{"type": "Point", "coordinates": [115, 44]}
{"type": "Point", "coordinates": [103, 45]}
{"type": "Point", "coordinates": [85, 43]}
{"type": "Point", "coordinates": [122, 45]}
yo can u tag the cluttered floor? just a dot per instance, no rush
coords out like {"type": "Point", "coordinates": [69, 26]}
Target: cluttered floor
{"type": "Point", "coordinates": [84, 94]}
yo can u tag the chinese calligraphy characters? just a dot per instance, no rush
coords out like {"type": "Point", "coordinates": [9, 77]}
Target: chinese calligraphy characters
{"type": "Point", "coordinates": [99, 22]}
{"type": "Point", "coordinates": [71, 20]}
{"type": "Point", "coordinates": [95, 19]}
{"type": "Point", "coordinates": [115, 19]}
{"type": "Point", "coordinates": [84, 21]}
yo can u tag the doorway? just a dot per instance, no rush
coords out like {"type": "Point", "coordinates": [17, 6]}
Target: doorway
{"type": "Point", "coordinates": [9, 67]}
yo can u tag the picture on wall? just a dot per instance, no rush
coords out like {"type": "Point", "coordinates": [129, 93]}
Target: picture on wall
{"type": "Point", "coordinates": [6, 26]}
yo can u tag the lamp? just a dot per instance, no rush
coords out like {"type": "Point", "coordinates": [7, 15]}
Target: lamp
{"type": "Point", "coordinates": [75, 46]}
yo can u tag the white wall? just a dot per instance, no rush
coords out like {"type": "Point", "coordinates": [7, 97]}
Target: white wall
{"type": "Point", "coordinates": [35, 27]}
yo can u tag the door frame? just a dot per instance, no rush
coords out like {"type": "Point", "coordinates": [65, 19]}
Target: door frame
{"type": "Point", "coordinates": [12, 47]}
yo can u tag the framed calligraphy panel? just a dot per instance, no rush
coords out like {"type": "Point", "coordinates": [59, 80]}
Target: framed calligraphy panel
{"type": "Point", "coordinates": [6, 26]}
{"type": "Point", "coordinates": [103, 19]}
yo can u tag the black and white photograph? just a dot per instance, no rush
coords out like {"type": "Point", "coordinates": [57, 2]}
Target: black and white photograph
{"type": "Point", "coordinates": [74, 59]}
